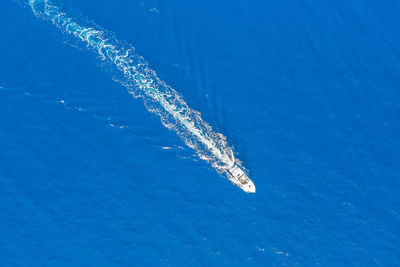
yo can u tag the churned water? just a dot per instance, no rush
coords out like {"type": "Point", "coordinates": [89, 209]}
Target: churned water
{"type": "Point", "coordinates": [305, 94]}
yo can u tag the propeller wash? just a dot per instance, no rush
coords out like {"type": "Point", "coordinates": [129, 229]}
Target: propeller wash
{"type": "Point", "coordinates": [159, 98]}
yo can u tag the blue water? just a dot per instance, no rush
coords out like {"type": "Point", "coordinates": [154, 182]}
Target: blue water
{"type": "Point", "coordinates": [306, 94]}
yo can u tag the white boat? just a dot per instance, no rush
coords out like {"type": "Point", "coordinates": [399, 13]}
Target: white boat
{"type": "Point", "coordinates": [239, 178]}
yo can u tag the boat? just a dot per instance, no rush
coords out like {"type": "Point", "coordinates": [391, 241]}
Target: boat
{"type": "Point", "coordinates": [238, 177]}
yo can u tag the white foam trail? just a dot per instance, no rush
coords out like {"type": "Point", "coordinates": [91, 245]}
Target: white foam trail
{"type": "Point", "coordinates": [143, 82]}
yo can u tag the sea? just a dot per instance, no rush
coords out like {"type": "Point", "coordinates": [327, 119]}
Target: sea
{"type": "Point", "coordinates": [306, 94]}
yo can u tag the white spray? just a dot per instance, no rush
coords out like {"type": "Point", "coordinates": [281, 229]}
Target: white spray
{"type": "Point", "coordinates": [143, 82]}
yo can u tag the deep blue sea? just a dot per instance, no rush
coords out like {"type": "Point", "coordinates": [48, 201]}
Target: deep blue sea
{"type": "Point", "coordinates": [306, 92]}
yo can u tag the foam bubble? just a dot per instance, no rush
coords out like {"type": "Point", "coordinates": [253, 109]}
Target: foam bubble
{"type": "Point", "coordinates": [143, 82]}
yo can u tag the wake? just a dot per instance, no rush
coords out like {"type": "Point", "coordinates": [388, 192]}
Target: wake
{"type": "Point", "coordinates": [143, 82]}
